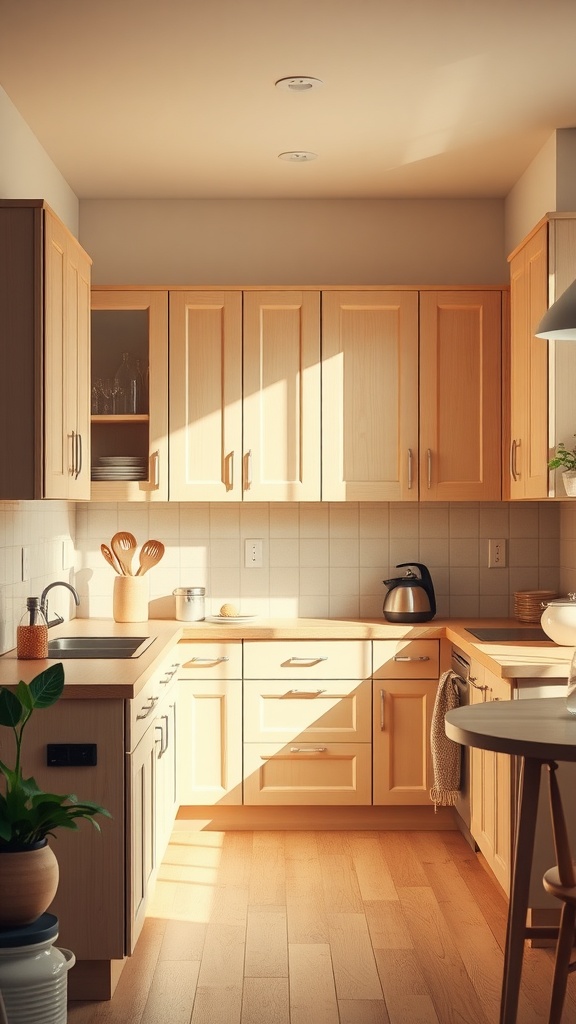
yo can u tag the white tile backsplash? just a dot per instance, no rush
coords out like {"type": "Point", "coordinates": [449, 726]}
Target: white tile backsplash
{"type": "Point", "coordinates": [319, 559]}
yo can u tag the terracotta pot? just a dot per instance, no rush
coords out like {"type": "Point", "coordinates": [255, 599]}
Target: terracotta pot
{"type": "Point", "coordinates": [28, 883]}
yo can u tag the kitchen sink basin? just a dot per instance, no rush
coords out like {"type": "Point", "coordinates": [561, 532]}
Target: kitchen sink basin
{"type": "Point", "coordinates": [99, 646]}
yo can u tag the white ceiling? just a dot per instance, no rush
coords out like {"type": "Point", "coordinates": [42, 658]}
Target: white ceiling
{"type": "Point", "coordinates": [176, 98]}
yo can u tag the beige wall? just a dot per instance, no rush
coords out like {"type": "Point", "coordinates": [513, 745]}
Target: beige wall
{"type": "Point", "coordinates": [230, 242]}
{"type": "Point", "coordinates": [548, 185]}
{"type": "Point", "coordinates": [26, 170]}
{"type": "Point", "coordinates": [325, 559]}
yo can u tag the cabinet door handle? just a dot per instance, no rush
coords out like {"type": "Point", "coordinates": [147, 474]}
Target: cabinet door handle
{"type": "Point", "coordinates": [308, 750]}
{"type": "Point", "coordinates": [229, 471]}
{"type": "Point", "coordinates": [204, 661]}
{"type": "Point", "coordinates": [79, 456]}
{"type": "Point", "coordinates": [248, 469]}
{"type": "Point", "coordinates": [73, 454]}
{"type": "Point", "coordinates": [382, 700]}
{"type": "Point", "coordinates": [304, 693]}
{"type": "Point", "coordinates": [429, 467]}
{"type": "Point", "coordinates": [401, 657]}
{"type": "Point", "coordinates": [513, 459]}
{"type": "Point", "coordinates": [155, 469]}
{"type": "Point", "coordinates": [307, 661]}
{"type": "Point", "coordinates": [410, 460]}
{"type": "Point", "coordinates": [163, 736]}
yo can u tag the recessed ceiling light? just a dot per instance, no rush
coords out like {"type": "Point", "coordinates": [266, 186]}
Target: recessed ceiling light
{"type": "Point", "coordinates": [299, 83]}
{"type": "Point", "coordinates": [299, 156]}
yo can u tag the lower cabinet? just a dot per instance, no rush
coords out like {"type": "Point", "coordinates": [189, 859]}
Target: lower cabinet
{"type": "Point", "coordinates": [209, 764]}
{"type": "Point", "coordinates": [491, 787]}
{"type": "Point", "coordinates": [307, 722]}
{"type": "Point", "coordinates": [151, 785]}
{"type": "Point", "coordinates": [405, 682]}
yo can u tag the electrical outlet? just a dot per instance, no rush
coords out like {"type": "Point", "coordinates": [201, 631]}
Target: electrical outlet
{"type": "Point", "coordinates": [252, 554]}
{"type": "Point", "coordinates": [496, 554]}
{"type": "Point", "coordinates": [25, 565]}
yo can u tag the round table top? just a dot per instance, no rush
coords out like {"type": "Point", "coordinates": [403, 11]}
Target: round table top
{"type": "Point", "coordinates": [541, 728]}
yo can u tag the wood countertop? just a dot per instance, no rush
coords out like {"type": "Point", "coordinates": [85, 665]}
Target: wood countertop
{"type": "Point", "coordinates": [124, 678]}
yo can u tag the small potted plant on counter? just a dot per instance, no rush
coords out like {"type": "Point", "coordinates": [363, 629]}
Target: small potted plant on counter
{"type": "Point", "coordinates": [29, 815]}
{"type": "Point", "coordinates": [565, 458]}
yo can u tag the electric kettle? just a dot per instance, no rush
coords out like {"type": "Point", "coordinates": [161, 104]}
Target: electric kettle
{"type": "Point", "coordinates": [410, 598]}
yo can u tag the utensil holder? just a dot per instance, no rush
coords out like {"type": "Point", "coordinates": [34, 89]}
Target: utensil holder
{"type": "Point", "coordinates": [130, 599]}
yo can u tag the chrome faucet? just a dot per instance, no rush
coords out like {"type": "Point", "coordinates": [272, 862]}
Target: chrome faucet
{"type": "Point", "coordinates": [44, 601]}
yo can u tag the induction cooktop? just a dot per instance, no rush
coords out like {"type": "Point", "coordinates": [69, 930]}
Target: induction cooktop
{"type": "Point", "coordinates": [503, 633]}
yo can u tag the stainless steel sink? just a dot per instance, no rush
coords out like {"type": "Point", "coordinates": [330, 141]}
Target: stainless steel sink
{"type": "Point", "coordinates": [99, 646]}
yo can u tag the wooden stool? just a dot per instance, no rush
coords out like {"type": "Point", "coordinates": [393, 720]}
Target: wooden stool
{"type": "Point", "coordinates": [560, 881]}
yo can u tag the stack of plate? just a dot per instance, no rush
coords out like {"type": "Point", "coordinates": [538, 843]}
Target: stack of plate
{"type": "Point", "coordinates": [120, 467]}
{"type": "Point", "coordinates": [528, 604]}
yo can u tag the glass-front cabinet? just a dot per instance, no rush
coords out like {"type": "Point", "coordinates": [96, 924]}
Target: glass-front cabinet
{"type": "Point", "coordinates": [129, 395]}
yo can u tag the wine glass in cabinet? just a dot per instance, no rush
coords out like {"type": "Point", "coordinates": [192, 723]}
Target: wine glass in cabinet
{"type": "Point", "coordinates": [129, 400]}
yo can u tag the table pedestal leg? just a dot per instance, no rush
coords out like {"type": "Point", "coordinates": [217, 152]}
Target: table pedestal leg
{"type": "Point", "coordinates": [530, 772]}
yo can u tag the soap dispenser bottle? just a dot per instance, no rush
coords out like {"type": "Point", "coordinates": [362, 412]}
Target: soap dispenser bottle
{"type": "Point", "coordinates": [32, 632]}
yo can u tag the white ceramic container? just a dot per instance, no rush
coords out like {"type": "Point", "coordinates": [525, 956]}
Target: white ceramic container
{"type": "Point", "coordinates": [558, 620]}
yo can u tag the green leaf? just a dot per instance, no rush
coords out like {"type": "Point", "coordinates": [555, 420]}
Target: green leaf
{"type": "Point", "coordinates": [10, 708]}
{"type": "Point", "coordinates": [47, 687]}
{"type": "Point", "coordinates": [24, 696]}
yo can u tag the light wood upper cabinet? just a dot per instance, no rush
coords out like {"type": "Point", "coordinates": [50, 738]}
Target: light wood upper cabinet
{"type": "Point", "coordinates": [527, 476]}
{"type": "Point", "coordinates": [460, 395]}
{"type": "Point", "coordinates": [370, 396]}
{"type": "Point", "coordinates": [206, 396]}
{"type": "Point", "coordinates": [281, 396]}
{"type": "Point", "coordinates": [133, 321]}
{"type": "Point", "coordinates": [67, 365]}
{"type": "Point", "coordinates": [44, 393]}
{"type": "Point", "coordinates": [245, 396]}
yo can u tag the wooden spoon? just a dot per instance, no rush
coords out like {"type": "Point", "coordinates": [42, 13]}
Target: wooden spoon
{"type": "Point", "coordinates": [150, 554]}
{"type": "Point", "coordinates": [124, 545]}
{"type": "Point", "coordinates": [111, 559]}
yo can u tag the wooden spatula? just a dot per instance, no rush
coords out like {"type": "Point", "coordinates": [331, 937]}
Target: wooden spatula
{"type": "Point", "coordinates": [111, 559]}
{"type": "Point", "coordinates": [124, 545]}
{"type": "Point", "coordinates": [150, 554]}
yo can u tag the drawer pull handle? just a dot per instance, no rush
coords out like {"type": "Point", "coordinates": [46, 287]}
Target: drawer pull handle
{"type": "Point", "coordinates": [307, 661]}
{"type": "Point", "coordinates": [402, 657]}
{"type": "Point", "coordinates": [147, 708]}
{"type": "Point", "coordinates": [204, 661]}
{"type": "Point", "coordinates": [169, 675]}
{"type": "Point", "coordinates": [304, 693]}
{"type": "Point", "coordinates": [382, 699]}
{"type": "Point", "coordinates": [308, 750]}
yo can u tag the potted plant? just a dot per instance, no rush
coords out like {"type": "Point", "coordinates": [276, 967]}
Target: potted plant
{"type": "Point", "coordinates": [28, 814]}
{"type": "Point", "coordinates": [565, 458]}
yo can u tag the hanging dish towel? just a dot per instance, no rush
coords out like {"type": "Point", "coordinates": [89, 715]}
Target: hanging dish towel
{"type": "Point", "coordinates": [445, 752]}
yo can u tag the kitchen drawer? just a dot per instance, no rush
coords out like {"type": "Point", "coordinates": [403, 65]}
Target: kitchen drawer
{"type": "Point", "coordinates": [307, 659]}
{"type": "Point", "coordinates": [338, 711]}
{"type": "Point", "coordinates": [406, 659]}
{"type": "Point", "coordinates": [141, 710]}
{"type": "Point", "coordinates": [210, 659]}
{"type": "Point", "coordinates": [332, 773]}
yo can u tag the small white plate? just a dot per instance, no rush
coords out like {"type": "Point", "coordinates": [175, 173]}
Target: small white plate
{"type": "Point", "coordinates": [228, 619]}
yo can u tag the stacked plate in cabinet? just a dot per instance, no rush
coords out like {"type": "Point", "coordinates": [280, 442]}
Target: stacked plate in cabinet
{"type": "Point", "coordinates": [120, 467]}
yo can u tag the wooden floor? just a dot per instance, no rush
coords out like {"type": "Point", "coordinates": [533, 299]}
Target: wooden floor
{"type": "Point", "coordinates": [322, 928]}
